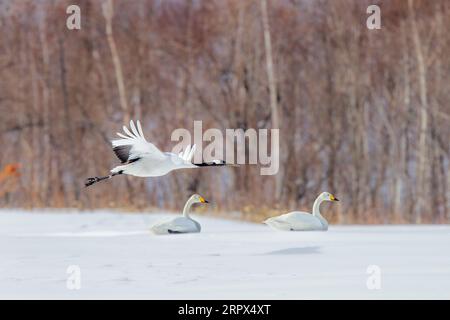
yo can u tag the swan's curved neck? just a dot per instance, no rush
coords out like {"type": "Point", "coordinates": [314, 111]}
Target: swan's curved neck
{"type": "Point", "coordinates": [187, 207]}
{"type": "Point", "coordinates": [316, 212]}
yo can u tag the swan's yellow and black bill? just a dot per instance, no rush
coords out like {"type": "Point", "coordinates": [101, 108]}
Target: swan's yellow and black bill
{"type": "Point", "coordinates": [333, 198]}
{"type": "Point", "coordinates": [203, 200]}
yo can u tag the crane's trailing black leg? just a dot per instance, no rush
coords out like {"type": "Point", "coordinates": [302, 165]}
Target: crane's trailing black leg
{"type": "Point", "coordinates": [91, 181]}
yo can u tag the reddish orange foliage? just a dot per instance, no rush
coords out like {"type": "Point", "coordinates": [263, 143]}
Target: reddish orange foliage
{"type": "Point", "coordinates": [10, 170]}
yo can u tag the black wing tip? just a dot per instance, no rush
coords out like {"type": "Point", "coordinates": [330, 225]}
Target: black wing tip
{"type": "Point", "coordinates": [122, 152]}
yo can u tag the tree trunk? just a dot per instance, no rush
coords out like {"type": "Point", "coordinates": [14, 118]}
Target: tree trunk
{"type": "Point", "coordinates": [273, 93]}
{"type": "Point", "coordinates": [422, 151]}
{"type": "Point", "coordinates": [108, 12]}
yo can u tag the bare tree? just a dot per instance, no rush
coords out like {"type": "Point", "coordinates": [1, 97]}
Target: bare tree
{"type": "Point", "coordinates": [272, 89]}
{"type": "Point", "coordinates": [108, 13]}
{"type": "Point", "coordinates": [361, 113]}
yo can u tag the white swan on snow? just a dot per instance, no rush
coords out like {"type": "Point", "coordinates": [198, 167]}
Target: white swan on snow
{"type": "Point", "coordinates": [183, 224]}
{"type": "Point", "coordinates": [303, 221]}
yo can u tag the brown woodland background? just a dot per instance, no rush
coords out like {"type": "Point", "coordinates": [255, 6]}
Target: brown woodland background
{"type": "Point", "coordinates": [363, 113]}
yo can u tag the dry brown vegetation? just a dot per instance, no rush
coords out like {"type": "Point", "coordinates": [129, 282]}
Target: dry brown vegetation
{"type": "Point", "coordinates": [363, 113]}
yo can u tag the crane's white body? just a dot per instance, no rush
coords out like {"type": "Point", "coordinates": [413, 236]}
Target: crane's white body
{"type": "Point", "coordinates": [183, 224]}
{"type": "Point", "coordinates": [303, 221]}
{"type": "Point", "coordinates": [150, 166]}
{"type": "Point", "coordinates": [143, 159]}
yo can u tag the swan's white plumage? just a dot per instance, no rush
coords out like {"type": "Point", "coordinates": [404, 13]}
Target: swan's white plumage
{"type": "Point", "coordinates": [176, 225]}
{"type": "Point", "coordinates": [183, 224]}
{"type": "Point", "coordinates": [295, 221]}
{"type": "Point", "coordinates": [303, 221]}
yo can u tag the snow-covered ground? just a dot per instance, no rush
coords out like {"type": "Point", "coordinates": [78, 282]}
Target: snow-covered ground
{"type": "Point", "coordinates": [118, 258]}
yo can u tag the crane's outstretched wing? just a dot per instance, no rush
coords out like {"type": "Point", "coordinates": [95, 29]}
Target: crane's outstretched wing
{"type": "Point", "coordinates": [188, 153]}
{"type": "Point", "coordinates": [134, 146]}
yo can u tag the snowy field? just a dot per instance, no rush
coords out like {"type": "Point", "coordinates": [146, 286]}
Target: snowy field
{"type": "Point", "coordinates": [118, 258]}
